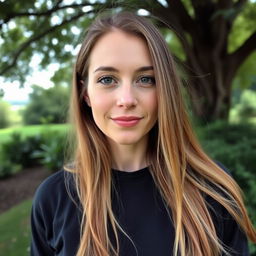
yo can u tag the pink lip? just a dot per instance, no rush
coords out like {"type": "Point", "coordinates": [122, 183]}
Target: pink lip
{"type": "Point", "coordinates": [126, 121]}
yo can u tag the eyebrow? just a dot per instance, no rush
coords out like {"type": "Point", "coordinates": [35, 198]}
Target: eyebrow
{"type": "Point", "coordinates": [112, 69]}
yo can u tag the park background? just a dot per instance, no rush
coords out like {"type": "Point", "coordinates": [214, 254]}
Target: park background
{"type": "Point", "coordinates": [213, 43]}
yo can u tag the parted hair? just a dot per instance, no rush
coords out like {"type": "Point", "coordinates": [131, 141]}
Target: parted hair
{"type": "Point", "coordinates": [182, 171]}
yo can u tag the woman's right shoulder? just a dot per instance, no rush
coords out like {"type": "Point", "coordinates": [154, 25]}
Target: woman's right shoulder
{"type": "Point", "coordinates": [54, 188]}
{"type": "Point", "coordinates": [55, 180]}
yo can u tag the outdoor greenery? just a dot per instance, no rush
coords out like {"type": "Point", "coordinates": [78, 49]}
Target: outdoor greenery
{"type": "Point", "coordinates": [213, 43]}
{"type": "Point", "coordinates": [51, 151]}
{"type": "Point", "coordinates": [47, 105]}
{"type": "Point", "coordinates": [233, 145]}
{"type": "Point", "coordinates": [45, 147]}
{"type": "Point", "coordinates": [15, 230]}
{"type": "Point", "coordinates": [30, 130]}
{"type": "Point", "coordinates": [4, 114]}
{"type": "Point", "coordinates": [210, 39]}
{"type": "Point", "coordinates": [246, 108]}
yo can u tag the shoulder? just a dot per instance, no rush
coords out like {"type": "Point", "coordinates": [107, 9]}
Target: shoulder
{"type": "Point", "coordinates": [50, 184]}
{"type": "Point", "coordinates": [54, 189]}
{"type": "Point", "coordinates": [223, 167]}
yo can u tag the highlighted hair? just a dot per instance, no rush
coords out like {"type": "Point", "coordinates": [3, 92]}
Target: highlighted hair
{"type": "Point", "coordinates": [182, 171]}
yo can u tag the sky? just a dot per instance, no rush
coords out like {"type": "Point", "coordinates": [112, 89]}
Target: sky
{"type": "Point", "coordinates": [12, 90]}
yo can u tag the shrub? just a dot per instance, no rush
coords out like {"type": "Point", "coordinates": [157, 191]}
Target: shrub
{"type": "Point", "coordinates": [234, 145]}
{"type": "Point", "coordinates": [19, 150]}
{"type": "Point", "coordinates": [45, 148]}
{"type": "Point", "coordinates": [51, 152]}
{"type": "Point", "coordinates": [7, 168]}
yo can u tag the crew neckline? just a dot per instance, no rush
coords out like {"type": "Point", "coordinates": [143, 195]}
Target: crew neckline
{"type": "Point", "coordinates": [130, 174]}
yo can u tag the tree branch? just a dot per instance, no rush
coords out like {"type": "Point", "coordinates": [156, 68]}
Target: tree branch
{"type": "Point", "coordinates": [238, 7]}
{"type": "Point", "coordinates": [56, 8]}
{"type": "Point", "coordinates": [244, 50]}
{"type": "Point", "coordinates": [236, 58]}
{"type": "Point", "coordinates": [36, 38]}
{"type": "Point", "coordinates": [240, 3]}
{"type": "Point", "coordinates": [178, 10]}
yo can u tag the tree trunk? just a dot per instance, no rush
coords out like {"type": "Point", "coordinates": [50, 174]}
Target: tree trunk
{"type": "Point", "coordinates": [204, 38]}
{"type": "Point", "coordinates": [209, 88]}
{"type": "Point", "coordinates": [209, 103]}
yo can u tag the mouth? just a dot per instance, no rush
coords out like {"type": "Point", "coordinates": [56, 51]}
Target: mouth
{"type": "Point", "coordinates": [127, 121]}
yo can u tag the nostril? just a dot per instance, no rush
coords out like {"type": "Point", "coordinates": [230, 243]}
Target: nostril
{"type": "Point", "coordinates": [127, 102]}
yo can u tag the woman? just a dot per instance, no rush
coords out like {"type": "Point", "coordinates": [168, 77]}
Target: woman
{"type": "Point", "coordinates": [140, 184]}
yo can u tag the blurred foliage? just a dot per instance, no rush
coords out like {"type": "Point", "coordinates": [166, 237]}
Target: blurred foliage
{"type": "Point", "coordinates": [51, 152]}
{"type": "Point", "coordinates": [234, 145]}
{"type": "Point", "coordinates": [45, 148]}
{"type": "Point", "coordinates": [47, 105]}
{"type": "Point", "coordinates": [245, 107]}
{"type": "Point", "coordinates": [5, 110]}
{"type": "Point", "coordinates": [246, 74]}
{"type": "Point", "coordinates": [31, 130]}
{"type": "Point", "coordinates": [7, 168]}
{"type": "Point", "coordinates": [16, 154]}
{"type": "Point", "coordinates": [35, 35]}
{"type": "Point", "coordinates": [243, 25]}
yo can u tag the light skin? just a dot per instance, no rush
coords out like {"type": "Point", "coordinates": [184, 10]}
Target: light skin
{"type": "Point", "coordinates": [121, 92]}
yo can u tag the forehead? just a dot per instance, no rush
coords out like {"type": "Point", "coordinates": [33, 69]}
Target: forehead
{"type": "Point", "coordinates": [117, 48]}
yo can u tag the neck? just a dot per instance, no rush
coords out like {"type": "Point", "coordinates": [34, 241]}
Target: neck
{"type": "Point", "coordinates": [129, 157]}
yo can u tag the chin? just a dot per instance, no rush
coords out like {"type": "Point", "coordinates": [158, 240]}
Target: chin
{"type": "Point", "coordinates": [126, 140]}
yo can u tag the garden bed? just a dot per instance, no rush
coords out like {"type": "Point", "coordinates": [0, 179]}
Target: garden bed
{"type": "Point", "coordinates": [20, 186]}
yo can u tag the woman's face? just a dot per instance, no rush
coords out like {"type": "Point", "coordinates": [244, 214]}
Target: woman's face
{"type": "Point", "coordinates": [121, 88]}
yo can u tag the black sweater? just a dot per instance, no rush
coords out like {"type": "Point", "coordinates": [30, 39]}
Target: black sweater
{"type": "Point", "coordinates": [140, 210]}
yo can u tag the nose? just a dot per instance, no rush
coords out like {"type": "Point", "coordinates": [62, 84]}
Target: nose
{"type": "Point", "coordinates": [126, 97]}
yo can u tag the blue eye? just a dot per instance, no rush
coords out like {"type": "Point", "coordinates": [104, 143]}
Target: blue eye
{"type": "Point", "coordinates": [106, 80]}
{"type": "Point", "coordinates": [147, 80]}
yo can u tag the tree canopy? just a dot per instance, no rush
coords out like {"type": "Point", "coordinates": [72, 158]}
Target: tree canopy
{"type": "Point", "coordinates": [211, 38]}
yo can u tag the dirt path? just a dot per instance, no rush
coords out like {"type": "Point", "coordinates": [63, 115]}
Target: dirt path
{"type": "Point", "coordinates": [20, 187]}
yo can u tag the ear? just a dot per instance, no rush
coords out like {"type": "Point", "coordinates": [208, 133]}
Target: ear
{"type": "Point", "coordinates": [86, 97]}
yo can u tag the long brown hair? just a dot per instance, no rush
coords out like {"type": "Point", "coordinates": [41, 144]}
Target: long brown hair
{"type": "Point", "coordinates": [182, 171]}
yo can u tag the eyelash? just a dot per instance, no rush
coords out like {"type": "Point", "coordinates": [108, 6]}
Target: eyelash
{"type": "Point", "coordinates": [100, 80]}
{"type": "Point", "coordinates": [152, 82]}
{"type": "Point", "coordinates": [114, 80]}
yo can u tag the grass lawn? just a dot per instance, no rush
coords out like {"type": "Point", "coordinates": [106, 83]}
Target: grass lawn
{"type": "Point", "coordinates": [15, 230]}
{"type": "Point", "coordinates": [29, 130]}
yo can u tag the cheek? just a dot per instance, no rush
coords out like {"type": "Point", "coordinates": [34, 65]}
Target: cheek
{"type": "Point", "coordinates": [100, 105]}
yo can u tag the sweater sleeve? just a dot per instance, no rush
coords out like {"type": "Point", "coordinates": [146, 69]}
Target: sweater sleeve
{"type": "Point", "coordinates": [40, 241]}
{"type": "Point", "coordinates": [42, 217]}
